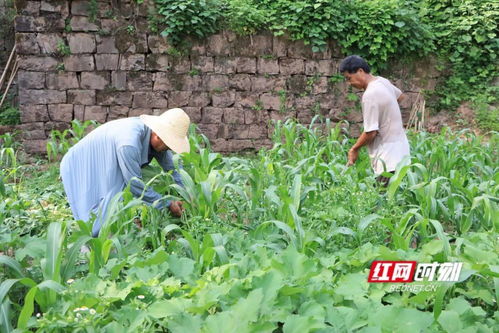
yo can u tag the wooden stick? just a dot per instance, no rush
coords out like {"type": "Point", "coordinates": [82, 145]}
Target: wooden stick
{"type": "Point", "coordinates": [12, 76]}
{"type": "Point", "coordinates": [427, 112]}
{"type": "Point", "coordinates": [413, 116]}
{"type": "Point", "coordinates": [422, 121]}
{"type": "Point", "coordinates": [7, 66]}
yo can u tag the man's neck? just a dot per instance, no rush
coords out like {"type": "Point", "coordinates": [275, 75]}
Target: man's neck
{"type": "Point", "coordinates": [369, 78]}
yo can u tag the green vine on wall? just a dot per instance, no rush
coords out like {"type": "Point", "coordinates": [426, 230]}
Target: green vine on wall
{"type": "Point", "coordinates": [466, 36]}
{"type": "Point", "coordinates": [463, 34]}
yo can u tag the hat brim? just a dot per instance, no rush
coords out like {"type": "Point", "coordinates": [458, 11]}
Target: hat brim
{"type": "Point", "coordinates": [178, 144]}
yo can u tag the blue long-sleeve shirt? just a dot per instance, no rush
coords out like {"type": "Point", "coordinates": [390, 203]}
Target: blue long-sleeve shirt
{"type": "Point", "coordinates": [104, 162]}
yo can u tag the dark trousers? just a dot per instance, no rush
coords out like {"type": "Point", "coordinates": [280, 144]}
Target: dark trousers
{"type": "Point", "coordinates": [383, 181]}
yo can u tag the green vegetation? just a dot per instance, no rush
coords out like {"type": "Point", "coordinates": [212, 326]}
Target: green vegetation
{"type": "Point", "coordinates": [281, 242]}
{"type": "Point", "coordinates": [466, 37]}
{"type": "Point", "coordinates": [63, 49]}
{"type": "Point", "coordinates": [258, 106]}
{"type": "Point", "coordinates": [179, 19]}
{"type": "Point", "coordinates": [9, 115]}
{"type": "Point", "coordinates": [93, 7]}
{"type": "Point", "coordinates": [245, 17]}
{"type": "Point", "coordinates": [282, 100]}
{"type": "Point", "coordinates": [461, 34]}
{"type": "Point", "coordinates": [60, 142]}
{"type": "Point", "coordinates": [194, 72]}
{"type": "Point", "coordinates": [487, 116]}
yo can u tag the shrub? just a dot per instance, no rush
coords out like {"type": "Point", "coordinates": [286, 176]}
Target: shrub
{"type": "Point", "coordinates": [180, 18]}
{"type": "Point", "coordinates": [9, 115]}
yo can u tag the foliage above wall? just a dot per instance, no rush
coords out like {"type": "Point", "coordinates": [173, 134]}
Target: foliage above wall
{"type": "Point", "coordinates": [466, 35]}
{"type": "Point", "coordinates": [462, 33]}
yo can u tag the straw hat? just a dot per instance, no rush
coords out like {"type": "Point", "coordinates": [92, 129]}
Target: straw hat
{"type": "Point", "coordinates": [171, 127]}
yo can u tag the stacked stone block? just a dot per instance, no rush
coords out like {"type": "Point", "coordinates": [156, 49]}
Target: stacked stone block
{"type": "Point", "coordinates": [104, 64]}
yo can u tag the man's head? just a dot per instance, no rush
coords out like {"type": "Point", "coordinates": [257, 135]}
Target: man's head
{"type": "Point", "coordinates": [356, 71]}
{"type": "Point", "coordinates": [158, 144]}
{"type": "Point", "coordinates": [169, 130]}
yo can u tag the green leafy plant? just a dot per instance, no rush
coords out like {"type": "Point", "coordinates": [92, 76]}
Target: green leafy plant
{"type": "Point", "coordinates": [178, 19]}
{"type": "Point", "coordinates": [258, 106]}
{"type": "Point", "coordinates": [9, 115]}
{"type": "Point", "coordinates": [130, 29]}
{"type": "Point", "coordinates": [93, 7]}
{"type": "Point", "coordinates": [194, 72]}
{"type": "Point", "coordinates": [274, 241]}
{"type": "Point", "coordinates": [8, 154]}
{"type": "Point", "coordinates": [60, 142]}
{"type": "Point", "coordinates": [467, 39]}
{"type": "Point", "coordinates": [245, 17]}
{"type": "Point", "coordinates": [461, 35]}
{"type": "Point", "coordinates": [282, 100]}
{"type": "Point", "coordinates": [63, 48]}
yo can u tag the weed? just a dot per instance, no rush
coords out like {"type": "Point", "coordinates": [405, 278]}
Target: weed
{"type": "Point", "coordinates": [282, 100]}
{"type": "Point", "coordinates": [194, 72]}
{"type": "Point", "coordinates": [258, 106]}
{"type": "Point", "coordinates": [63, 49]}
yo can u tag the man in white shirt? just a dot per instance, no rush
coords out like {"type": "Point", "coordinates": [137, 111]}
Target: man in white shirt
{"type": "Point", "coordinates": [384, 132]}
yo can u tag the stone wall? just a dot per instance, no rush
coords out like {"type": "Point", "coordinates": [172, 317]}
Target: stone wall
{"type": "Point", "coordinates": [75, 66]}
{"type": "Point", "coordinates": [6, 31]}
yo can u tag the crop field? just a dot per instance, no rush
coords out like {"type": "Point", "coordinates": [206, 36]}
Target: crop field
{"type": "Point", "coordinates": [277, 241]}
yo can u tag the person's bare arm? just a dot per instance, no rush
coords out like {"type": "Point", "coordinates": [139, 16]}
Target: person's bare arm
{"type": "Point", "coordinates": [401, 98]}
{"type": "Point", "coordinates": [364, 139]}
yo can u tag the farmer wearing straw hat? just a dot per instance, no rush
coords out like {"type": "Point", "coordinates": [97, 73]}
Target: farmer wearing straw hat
{"type": "Point", "coordinates": [110, 157]}
{"type": "Point", "coordinates": [384, 132]}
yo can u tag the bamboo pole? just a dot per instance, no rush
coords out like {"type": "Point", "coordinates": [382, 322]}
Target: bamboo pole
{"type": "Point", "coordinates": [12, 76]}
{"type": "Point", "coordinates": [7, 66]}
{"type": "Point", "coordinates": [423, 111]}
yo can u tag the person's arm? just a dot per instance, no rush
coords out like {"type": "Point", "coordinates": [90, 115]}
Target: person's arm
{"type": "Point", "coordinates": [364, 139]}
{"type": "Point", "coordinates": [400, 98]}
{"type": "Point", "coordinates": [129, 162]}
{"type": "Point", "coordinates": [166, 161]}
{"type": "Point", "coordinates": [398, 94]}
{"type": "Point", "coordinates": [370, 114]}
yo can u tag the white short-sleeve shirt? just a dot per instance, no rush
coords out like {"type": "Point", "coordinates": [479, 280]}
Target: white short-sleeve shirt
{"type": "Point", "coordinates": [381, 113]}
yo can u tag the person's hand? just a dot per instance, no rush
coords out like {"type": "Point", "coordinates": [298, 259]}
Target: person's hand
{"type": "Point", "coordinates": [137, 222]}
{"type": "Point", "coordinates": [176, 208]}
{"type": "Point", "coordinates": [353, 154]}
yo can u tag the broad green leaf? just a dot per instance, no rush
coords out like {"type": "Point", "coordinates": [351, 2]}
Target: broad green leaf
{"type": "Point", "coordinates": [300, 324]}
{"type": "Point", "coordinates": [433, 247]}
{"type": "Point", "coordinates": [5, 287]}
{"type": "Point", "coordinates": [181, 267]}
{"type": "Point", "coordinates": [450, 321]}
{"type": "Point", "coordinates": [352, 286]}
{"type": "Point", "coordinates": [5, 324]}
{"type": "Point", "coordinates": [170, 307]}
{"type": "Point", "coordinates": [344, 231]}
{"type": "Point", "coordinates": [55, 238]}
{"type": "Point", "coordinates": [27, 309]}
{"type": "Point", "coordinates": [11, 263]}
{"type": "Point", "coordinates": [71, 256]}
{"type": "Point", "coordinates": [158, 257]}
{"type": "Point", "coordinates": [439, 300]}
{"type": "Point", "coordinates": [397, 178]}
{"type": "Point", "coordinates": [364, 223]}
{"type": "Point", "coordinates": [398, 319]}
{"type": "Point", "coordinates": [184, 322]}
